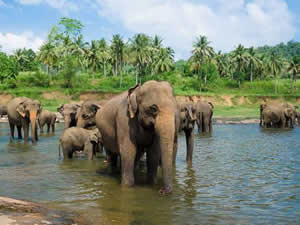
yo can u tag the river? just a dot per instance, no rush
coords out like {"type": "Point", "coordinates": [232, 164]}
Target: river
{"type": "Point", "coordinates": [240, 175]}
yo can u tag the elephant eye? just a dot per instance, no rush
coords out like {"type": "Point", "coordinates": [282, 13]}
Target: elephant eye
{"type": "Point", "coordinates": [153, 109]}
{"type": "Point", "coordinates": [85, 116]}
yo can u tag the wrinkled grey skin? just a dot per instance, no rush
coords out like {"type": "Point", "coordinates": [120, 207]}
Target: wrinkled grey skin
{"type": "Point", "coordinates": [21, 112]}
{"type": "Point", "coordinates": [204, 113]}
{"type": "Point", "coordinates": [277, 115]}
{"type": "Point", "coordinates": [185, 121]}
{"type": "Point", "coordinates": [86, 116]}
{"type": "Point", "coordinates": [77, 139]}
{"type": "Point", "coordinates": [49, 118]}
{"type": "Point", "coordinates": [3, 110]}
{"type": "Point", "coordinates": [298, 116]}
{"type": "Point", "coordinates": [140, 120]}
{"type": "Point", "coordinates": [69, 112]}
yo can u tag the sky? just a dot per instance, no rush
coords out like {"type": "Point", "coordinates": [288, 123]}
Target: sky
{"type": "Point", "coordinates": [226, 23]}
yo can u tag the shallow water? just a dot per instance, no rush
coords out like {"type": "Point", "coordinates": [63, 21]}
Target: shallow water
{"type": "Point", "coordinates": [240, 175]}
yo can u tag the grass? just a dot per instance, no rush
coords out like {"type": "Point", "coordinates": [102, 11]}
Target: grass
{"type": "Point", "coordinates": [238, 111]}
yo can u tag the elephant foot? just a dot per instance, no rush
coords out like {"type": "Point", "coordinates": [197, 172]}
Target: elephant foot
{"type": "Point", "coordinates": [165, 190]}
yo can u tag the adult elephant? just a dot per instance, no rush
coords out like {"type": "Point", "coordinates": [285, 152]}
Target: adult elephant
{"type": "Point", "coordinates": [69, 112]}
{"type": "Point", "coordinates": [142, 118]}
{"type": "Point", "coordinates": [277, 115]}
{"type": "Point", "coordinates": [185, 121]}
{"type": "Point", "coordinates": [204, 113]}
{"type": "Point", "coordinates": [49, 118]}
{"type": "Point", "coordinates": [86, 116]}
{"type": "Point", "coordinates": [3, 110]}
{"type": "Point", "coordinates": [22, 111]}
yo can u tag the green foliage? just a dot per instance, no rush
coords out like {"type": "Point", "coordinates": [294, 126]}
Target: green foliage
{"type": "Point", "coordinates": [288, 50]}
{"type": "Point", "coordinates": [69, 71]}
{"type": "Point", "coordinates": [8, 67]}
{"type": "Point", "coordinates": [32, 79]}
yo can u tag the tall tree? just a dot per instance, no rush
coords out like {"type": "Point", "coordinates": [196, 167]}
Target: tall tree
{"type": "Point", "coordinates": [253, 61]}
{"type": "Point", "coordinates": [241, 60]}
{"type": "Point", "coordinates": [202, 52]}
{"type": "Point", "coordinates": [48, 55]}
{"type": "Point", "coordinates": [275, 67]}
{"type": "Point", "coordinates": [294, 68]}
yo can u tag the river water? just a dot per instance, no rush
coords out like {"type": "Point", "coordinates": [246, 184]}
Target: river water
{"type": "Point", "coordinates": [240, 175]}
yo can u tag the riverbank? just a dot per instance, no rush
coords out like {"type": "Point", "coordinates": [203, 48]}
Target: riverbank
{"type": "Point", "coordinates": [13, 212]}
{"type": "Point", "coordinates": [229, 106]}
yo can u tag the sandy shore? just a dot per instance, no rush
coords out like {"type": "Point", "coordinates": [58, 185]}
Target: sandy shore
{"type": "Point", "coordinates": [13, 212]}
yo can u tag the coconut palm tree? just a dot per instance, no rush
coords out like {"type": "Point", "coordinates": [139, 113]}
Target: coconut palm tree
{"type": "Point", "coordinates": [117, 50]}
{"type": "Point", "coordinates": [104, 54]}
{"type": "Point", "coordinates": [164, 60]}
{"type": "Point", "coordinates": [48, 55]}
{"type": "Point", "coordinates": [140, 48]}
{"type": "Point", "coordinates": [201, 53]}
{"type": "Point", "coordinates": [275, 67]}
{"type": "Point", "coordinates": [240, 58]}
{"type": "Point", "coordinates": [253, 61]}
{"type": "Point", "coordinates": [294, 68]}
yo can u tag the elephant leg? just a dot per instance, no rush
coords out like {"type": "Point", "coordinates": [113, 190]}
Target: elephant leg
{"type": "Point", "coordinates": [89, 150]}
{"type": "Point", "coordinates": [210, 124]}
{"type": "Point", "coordinates": [206, 125]}
{"type": "Point", "coordinates": [53, 127]}
{"type": "Point", "coordinates": [189, 135]}
{"type": "Point", "coordinates": [67, 152]}
{"type": "Point", "coordinates": [12, 131]}
{"type": "Point", "coordinates": [153, 158]}
{"type": "Point", "coordinates": [25, 125]}
{"type": "Point", "coordinates": [19, 128]}
{"type": "Point", "coordinates": [128, 154]}
{"type": "Point", "coordinates": [41, 125]}
{"type": "Point", "coordinates": [48, 127]}
{"type": "Point", "coordinates": [36, 133]}
{"type": "Point", "coordinates": [175, 148]}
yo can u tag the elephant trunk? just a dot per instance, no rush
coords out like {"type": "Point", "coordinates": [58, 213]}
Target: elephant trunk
{"type": "Point", "coordinates": [80, 122]}
{"type": "Point", "coordinates": [33, 120]}
{"type": "Point", "coordinates": [165, 128]}
{"type": "Point", "coordinates": [67, 121]}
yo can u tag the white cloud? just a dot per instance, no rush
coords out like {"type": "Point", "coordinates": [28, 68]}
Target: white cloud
{"type": "Point", "coordinates": [65, 6]}
{"type": "Point", "coordinates": [225, 22]}
{"type": "Point", "coordinates": [9, 42]}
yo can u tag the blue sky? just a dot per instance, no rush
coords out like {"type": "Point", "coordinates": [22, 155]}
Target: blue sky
{"type": "Point", "coordinates": [226, 23]}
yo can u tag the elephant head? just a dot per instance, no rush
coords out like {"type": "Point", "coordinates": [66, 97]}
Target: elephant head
{"type": "Point", "coordinates": [30, 109]}
{"type": "Point", "coordinates": [153, 106]}
{"type": "Point", "coordinates": [87, 114]}
{"type": "Point", "coordinates": [187, 116]}
{"type": "Point", "coordinates": [69, 112]}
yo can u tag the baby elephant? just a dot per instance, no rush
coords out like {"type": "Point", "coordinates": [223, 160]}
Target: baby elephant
{"type": "Point", "coordinates": [77, 139]}
{"type": "Point", "coordinates": [49, 118]}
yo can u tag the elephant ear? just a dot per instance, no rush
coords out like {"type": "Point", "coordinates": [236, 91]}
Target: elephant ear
{"type": "Point", "coordinates": [288, 112]}
{"type": "Point", "coordinates": [61, 109]}
{"type": "Point", "coordinates": [131, 101]}
{"type": "Point", "coordinates": [21, 109]}
{"type": "Point", "coordinates": [95, 107]}
{"type": "Point", "coordinates": [212, 106]}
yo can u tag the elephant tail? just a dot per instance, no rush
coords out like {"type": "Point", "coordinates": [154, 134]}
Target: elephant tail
{"type": "Point", "coordinates": [59, 151]}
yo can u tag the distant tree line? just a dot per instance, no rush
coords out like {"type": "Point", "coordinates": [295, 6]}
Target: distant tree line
{"type": "Point", "coordinates": [66, 52]}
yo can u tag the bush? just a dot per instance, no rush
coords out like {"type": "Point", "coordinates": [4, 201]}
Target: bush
{"type": "Point", "coordinates": [32, 79]}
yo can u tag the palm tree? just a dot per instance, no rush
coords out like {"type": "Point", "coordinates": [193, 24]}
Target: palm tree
{"type": "Point", "coordinates": [117, 50]}
{"type": "Point", "coordinates": [164, 60]}
{"type": "Point", "coordinates": [21, 57]}
{"type": "Point", "coordinates": [48, 55]}
{"type": "Point", "coordinates": [275, 67]}
{"type": "Point", "coordinates": [240, 58]}
{"type": "Point", "coordinates": [92, 58]}
{"type": "Point", "coordinates": [201, 53]}
{"type": "Point", "coordinates": [253, 61]}
{"type": "Point", "coordinates": [103, 54]}
{"type": "Point", "coordinates": [140, 48]}
{"type": "Point", "coordinates": [294, 68]}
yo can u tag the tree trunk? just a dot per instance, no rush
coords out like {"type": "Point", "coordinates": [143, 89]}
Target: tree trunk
{"type": "Point", "coordinates": [276, 85]}
{"type": "Point", "coordinates": [251, 75]}
{"type": "Point", "coordinates": [136, 75]}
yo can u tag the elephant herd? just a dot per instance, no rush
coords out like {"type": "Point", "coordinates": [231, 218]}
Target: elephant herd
{"type": "Point", "coordinates": [143, 121]}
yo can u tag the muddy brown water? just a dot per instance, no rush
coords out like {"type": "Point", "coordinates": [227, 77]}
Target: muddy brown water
{"type": "Point", "coordinates": [240, 175]}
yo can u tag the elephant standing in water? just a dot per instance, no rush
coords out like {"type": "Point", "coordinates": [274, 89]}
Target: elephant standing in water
{"type": "Point", "coordinates": [69, 112]}
{"type": "Point", "coordinates": [22, 111]}
{"type": "Point", "coordinates": [204, 113]}
{"type": "Point", "coordinates": [76, 139]}
{"type": "Point", "coordinates": [86, 116]}
{"type": "Point", "coordinates": [277, 115]}
{"type": "Point", "coordinates": [140, 119]}
{"type": "Point", "coordinates": [185, 121]}
{"type": "Point", "coordinates": [3, 110]}
{"type": "Point", "coordinates": [49, 118]}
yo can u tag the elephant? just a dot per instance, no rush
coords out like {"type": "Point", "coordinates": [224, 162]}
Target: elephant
{"type": "Point", "coordinates": [76, 139]}
{"type": "Point", "coordinates": [298, 116]}
{"type": "Point", "coordinates": [277, 115]}
{"type": "Point", "coordinates": [3, 110]}
{"type": "Point", "coordinates": [86, 116]}
{"type": "Point", "coordinates": [139, 120]}
{"type": "Point", "coordinates": [22, 111]}
{"type": "Point", "coordinates": [185, 121]}
{"type": "Point", "coordinates": [204, 113]}
{"type": "Point", "coordinates": [49, 118]}
{"type": "Point", "coordinates": [69, 112]}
